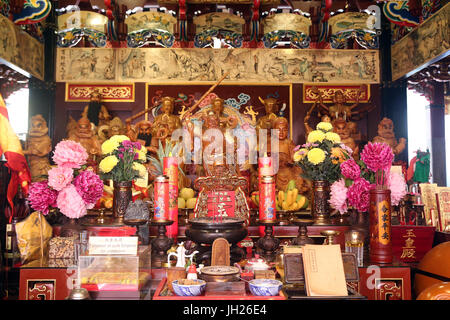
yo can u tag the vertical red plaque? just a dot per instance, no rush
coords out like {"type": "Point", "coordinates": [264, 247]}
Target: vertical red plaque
{"type": "Point", "coordinates": [380, 226]}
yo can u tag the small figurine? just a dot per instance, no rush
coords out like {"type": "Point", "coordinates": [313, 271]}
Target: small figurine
{"type": "Point", "coordinates": [95, 111]}
{"type": "Point", "coordinates": [38, 146]}
{"type": "Point", "coordinates": [86, 137]}
{"type": "Point", "coordinates": [342, 128]}
{"type": "Point", "coordinates": [386, 135]}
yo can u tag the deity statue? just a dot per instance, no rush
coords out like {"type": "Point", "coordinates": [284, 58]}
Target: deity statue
{"type": "Point", "coordinates": [213, 121]}
{"type": "Point", "coordinates": [271, 107]}
{"type": "Point", "coordinates": [343, 129]}
{"type": "Point", "coordinates": [115, 127]}
{"type": "Point", "coordinates": [71, 126]}
{"type": "Point", "coordinates": [95, 111]}
{"type": "Point", "coordinates": [386, 134]}
{"type": "Point", "coordinates": [286, 169]}
{"type": "Point", "coordinates": [38, 146]}
{"type": "Point", "coordinates": [166, 123]}
{"type": "Point", "coordinates": [86, 137]}
{"type": "Point", "coordinates": [308, 128]}
{"type": "Point", "coordinates": [340, 110]}
{"type": "Point", "coordinates": [225, 121]}
{"type": "Point", "coordinates": [141, 132]}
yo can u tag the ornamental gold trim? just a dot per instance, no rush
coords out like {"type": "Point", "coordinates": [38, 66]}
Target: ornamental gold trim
{"type": "Point", "coordinates": [78, 92]}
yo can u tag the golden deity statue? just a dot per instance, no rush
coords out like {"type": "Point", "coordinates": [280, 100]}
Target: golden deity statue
{"type": "Point", "coordinates": [218, 107]}
{"type": "Point", "coordinates": [286, 169]}
{"type": "Point", "coordinates": [386, 135]}
{"type": "Point", "coordinates": [343, 129]}
{"type": "Point", "coordinates": [86, 137]}
{"type": "Point", "coordinates": [115, 127]}
{"type": "Point", "coordinates": [38, 146]}
{"type": "Point", "coordinates": [340, 109]}
{"type": "Point", "coordinates": [95, 111]}
{"type": "Point", "coordinates": [166, 123]}
{"type": "Point", "coordinates": [271, 107]}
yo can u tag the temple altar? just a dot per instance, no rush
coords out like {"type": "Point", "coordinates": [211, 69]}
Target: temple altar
{"type": "Point", "coordinates": [237, 150]}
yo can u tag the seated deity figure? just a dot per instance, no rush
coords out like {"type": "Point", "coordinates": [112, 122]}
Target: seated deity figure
{"type": "Point", "coordinates": [86, 137]}
{"type": "Point", "coordinates": [386, 135]}
{"type": "Point", "coordinates": [95, 111]}
{"type": "Point", "coordinates": [166, 123]}
{"type": "Point", "coordinates": [225, 121]}
{"type": "Point", "coordinates": [38, 146]}
{"type": "Point", "coordinates": [343, 129]}
{"type": "Point", "coordinates": [286, 169]}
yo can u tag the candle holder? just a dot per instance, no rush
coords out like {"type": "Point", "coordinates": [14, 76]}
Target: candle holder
{"type": "Point", "coordinates": [101, 218]}
{"type": "Point", "coordinates": [329, 234]}
{"type": "Point", "coordinates": [161, 243]}
{"type": "Point", "coordinates": [302, 237]}
{"type": "Point", "coordinates": [136, 223]}
{"type": "Point", "coordinates": [268, 245]}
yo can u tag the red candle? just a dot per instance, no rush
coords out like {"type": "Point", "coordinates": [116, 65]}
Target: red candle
{"type": "Point", "coordinates": [170, 169]}
{"type": "Point", "coordinates": [267, 205]}
{"type": "Point", "coordinates": [265, 166]}
{"type": "Point", "coordinates": [161, 202]}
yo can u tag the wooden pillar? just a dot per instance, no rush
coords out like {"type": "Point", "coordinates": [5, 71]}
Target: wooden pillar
{"type": "Point", "coordinates": [437, 116]}
{"type": "Point", "coordinates": [42, 93]}
{"type": "Point", "coordinates": [393, 94]}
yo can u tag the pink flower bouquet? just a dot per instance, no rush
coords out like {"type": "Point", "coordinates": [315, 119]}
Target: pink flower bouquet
{"type": "Point", "coordinates": [359, 177]}
{"type": "Point", "coordinates": [70, 187]}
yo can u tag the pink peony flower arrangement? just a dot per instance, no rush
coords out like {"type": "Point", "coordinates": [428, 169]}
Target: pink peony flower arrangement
{"type": "Point", "coordinates": [359, 177]}
{"type": "Point", "coordinates": [70, 154]}
{"type": "Point", "coordinates": [338, 196]}
{"type": "Point", "coordinates": [70, 187]}
{"type": "Point", "coordinates": [42, 197]}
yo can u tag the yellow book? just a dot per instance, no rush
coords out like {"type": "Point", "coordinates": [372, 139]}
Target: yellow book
{"type": "Point", "coordinates": [324, 270]}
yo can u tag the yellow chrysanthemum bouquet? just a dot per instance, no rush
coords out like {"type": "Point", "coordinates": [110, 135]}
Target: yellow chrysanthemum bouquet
{"type": "Point", "coordinates": [320, 157]}
{"type": "Point", "coordinates": [122, 159]}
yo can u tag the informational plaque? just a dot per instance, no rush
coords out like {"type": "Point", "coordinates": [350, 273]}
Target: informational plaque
{"type": "Point", "coordinates": [113, 245]}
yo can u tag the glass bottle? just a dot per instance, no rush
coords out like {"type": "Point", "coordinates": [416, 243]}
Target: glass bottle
{"type": "Point", "coordinates": [354, 243]}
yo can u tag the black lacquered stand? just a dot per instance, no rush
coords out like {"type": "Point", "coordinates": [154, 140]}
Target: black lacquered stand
{"type": "Point", "coordinates": [161, 243]}
{"type": "Point", "coordinates": [268, 245]}
{"type": "Point", "coordinates": [302, 237]}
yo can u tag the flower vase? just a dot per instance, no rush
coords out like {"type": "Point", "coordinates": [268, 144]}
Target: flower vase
{"type": "Point", "coordinates": [380, 225]}
{"type": "Point", "coordinates": [319, 202]}
{"type": "Point", "coordinates": [121, 197]}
